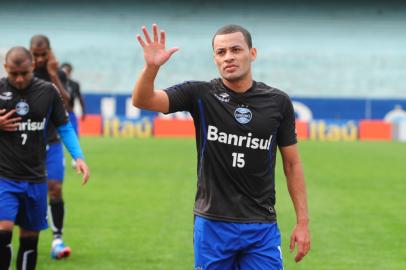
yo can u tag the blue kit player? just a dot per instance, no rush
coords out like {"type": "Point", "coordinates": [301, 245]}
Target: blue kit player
{"type": "Point", "coordinates": [46, 68]}
{"type": "Point", "coordinates": [239, 125]}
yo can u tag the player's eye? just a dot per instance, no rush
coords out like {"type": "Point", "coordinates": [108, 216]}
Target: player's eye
{"type": "Point", "coordinates": [16, 74]}
{"type": "Point", "coordinates": [40, 54]}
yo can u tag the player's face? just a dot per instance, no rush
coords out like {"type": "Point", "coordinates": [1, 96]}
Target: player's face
{"type": "Point", "coordinates": [67, 70]}
{"type": "Point", "coordinates": [19, 76]}
{"type": "Point", "coordinates": [233, 57]}
{"type": "Point", "coordinates": [40, 54]}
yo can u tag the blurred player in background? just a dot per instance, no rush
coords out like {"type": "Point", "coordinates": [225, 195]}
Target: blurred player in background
{"type": "Point", "coordinates": [239, 125]}
{"type": "Point", "coordinates": [27, 105]}
{"type": "Point", "coordinates": [46, 68]}
{"type": "Point", "coordinates": [73, 88]}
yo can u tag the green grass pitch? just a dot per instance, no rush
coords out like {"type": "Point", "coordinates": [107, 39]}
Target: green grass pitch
{"type": "Point", "coordinates": [136, 212]}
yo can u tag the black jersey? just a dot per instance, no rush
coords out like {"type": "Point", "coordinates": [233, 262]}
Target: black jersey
{"type": "Point", "coordinates": [236, 139]}
{"type": "Point", "coordinates": [73, 89]}
{"type": "Point", "coordinates": [42, 73]}
{"type": "Point", "coordinates": [22, 152]}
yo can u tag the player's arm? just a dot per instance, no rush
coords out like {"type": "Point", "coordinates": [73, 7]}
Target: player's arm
{"type": "Point", "coordinates": [59, 118]}
{"type": "Point", "coordinates": [71, 142]}
{"type": "Point", "coordinates": [52, 68]}
{"type": "Point", "coordinates": [293, 170]}
{"type": "Point", "coordinates": [144, 95]}
{"type": "Point", "coordinates": [7, 121]}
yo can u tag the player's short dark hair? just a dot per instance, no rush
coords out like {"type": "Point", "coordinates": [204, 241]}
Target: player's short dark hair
{"type": "Point", "coordinates": [233, 28]}
{"type": "Point", "coordinates": [40, 41]}
{"type": "Point", "coordinates": [18, 55]}
{"type": "Point", "coordinates": [67, 65]}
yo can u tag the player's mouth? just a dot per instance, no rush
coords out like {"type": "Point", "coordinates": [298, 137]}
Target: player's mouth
{"type": "Point", "coordinates": [230, 68]}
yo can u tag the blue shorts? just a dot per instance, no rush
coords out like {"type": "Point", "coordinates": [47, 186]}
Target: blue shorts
{"type": "Point", "coordinates": [74, 122]}
{"type": "Point", "coordinates": [24, 203]}
{"type": "Point", "coordinates": [55, 163]}
{"type": "Point", "coordinates": [236, 246]}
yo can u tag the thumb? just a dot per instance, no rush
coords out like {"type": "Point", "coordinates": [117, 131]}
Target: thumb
{"type": "Point", "coordinates": [173, 50]}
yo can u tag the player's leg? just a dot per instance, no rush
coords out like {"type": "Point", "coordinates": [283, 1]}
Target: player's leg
{"type": "Point", "coordinates": [215, 244]}
{"type": "Point", "coordinates": [6, 252]}
{"type": "Point", "coordinates": [56, 168]}
{"type": "Point", "coordinates": [28, 250]}
{"type": "Point", "coordinates": [262, 250]}
{"type": "Point", "coordinates": [8, 213]}
{"type": "Point", "coordinates": [32, 219]}
{"type": "Point", "coordinates": [56, 207]}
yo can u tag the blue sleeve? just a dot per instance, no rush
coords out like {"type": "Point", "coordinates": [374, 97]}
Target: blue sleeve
{"type": "Point", "coordinates": [70, 140]}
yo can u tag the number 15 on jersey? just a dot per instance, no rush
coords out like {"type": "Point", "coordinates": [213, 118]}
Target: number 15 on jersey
{"type": "Point", "coordinates": [238, 160]}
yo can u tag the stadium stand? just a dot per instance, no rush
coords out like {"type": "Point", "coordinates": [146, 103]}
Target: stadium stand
{"type": "Point", "coordinates": [328, 51]}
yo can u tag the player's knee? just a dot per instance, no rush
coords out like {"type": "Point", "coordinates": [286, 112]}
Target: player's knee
{"type": "Point", "coordinates": [54, 190]}
{"type": "Point", "coordinates": [6, 226]}
{"type": "Point", "coordinates": [28, 234]}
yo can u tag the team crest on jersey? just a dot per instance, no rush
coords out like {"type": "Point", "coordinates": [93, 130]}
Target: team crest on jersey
{"type": "Point", "coordinates": [242, 115]}
{"type": "Point", "coordinates": [6, 96]}
{"type": "Point", "coordinates": [22, 108]}
{"type": "Point", "coordinates": [224, 97]}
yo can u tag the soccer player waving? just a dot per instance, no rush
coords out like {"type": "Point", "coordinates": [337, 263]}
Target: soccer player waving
{"type": "Point", "coordinates": [239, 125]}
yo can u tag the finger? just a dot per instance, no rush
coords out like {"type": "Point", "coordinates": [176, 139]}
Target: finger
{"type": "Point", "coordinates": [299, 257]}
{"type": "Point", "coordinates": [10, 128]}
{"type": "Point", "coordinates": [155, 31]}
{"type": "Point", "coordinates": [2, 111]}
{"type": "Point", "coordinates": [300, 251]}
{"type": "Point", "coordinates": [85, 177]}
{"type": "Point", "coordinates": [163, 37]}
{"type": "Point", "coordinates": [292, 243]}
{"type": "Point", "coordinates": [172, 51]}
{"type": "Point", "coordinates": [11, 125]}
{"type": "Point", "coordinates": [50, 56]}
{"type": "Point", "coordinates": [142, 43]}
{"type": "Point", "coordinates": [10, 113]}
{"type": "Point", "coordinates": [78, 167]}
{"type": "Point", "coordinates": [13, 120]}
{"type": "Point", "coordinates": [147, 38]}
{"type": "Point", "coordinates": [307, 248]}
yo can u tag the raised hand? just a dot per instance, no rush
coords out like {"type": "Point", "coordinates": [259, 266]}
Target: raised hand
{"type": "Point", "coordinates": [7, 121]}
{"type": "Point", "coordinates": [155, 53]}
{"type": "Point", "coordinates": [52, 64]}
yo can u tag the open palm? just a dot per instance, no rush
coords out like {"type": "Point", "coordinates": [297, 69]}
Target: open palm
{"type": "Point", "coordinates": [155, 53]}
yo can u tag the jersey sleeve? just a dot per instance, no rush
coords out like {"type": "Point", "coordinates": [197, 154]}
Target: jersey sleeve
{"type": "Point", "coordinates": [59, 115]}
{"type": "Point", "coordinates": [287, 131]}
{"type": "Point", "coordinates": [182, 96]}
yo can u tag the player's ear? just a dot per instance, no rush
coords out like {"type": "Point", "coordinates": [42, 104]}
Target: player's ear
{"type": "Point", "coordinates": [253, 52]}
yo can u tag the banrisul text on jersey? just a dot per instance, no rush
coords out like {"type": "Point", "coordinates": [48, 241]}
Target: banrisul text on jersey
{"type": "Point", "coordinates": [248, 141]}
{"type": "Point", "coordinates": [31, 125]}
